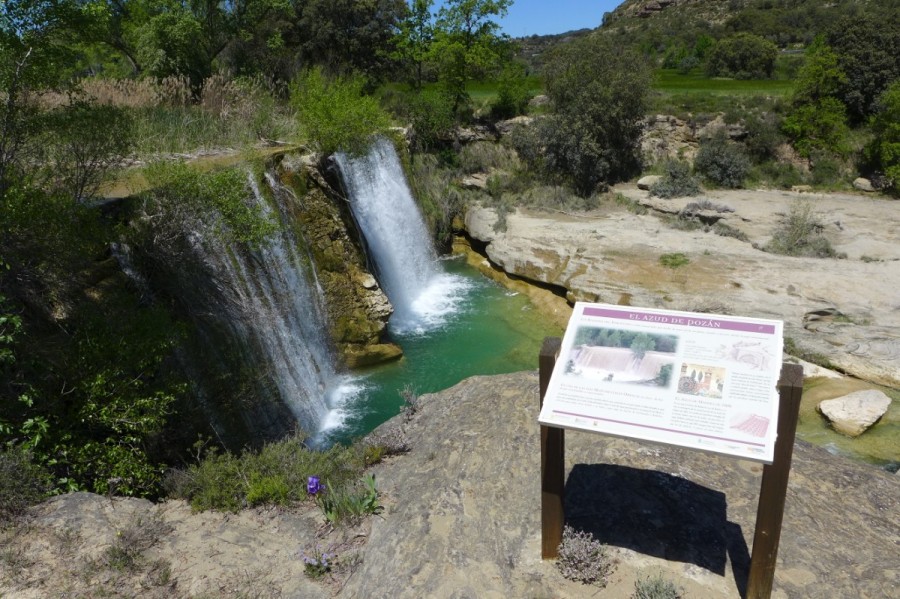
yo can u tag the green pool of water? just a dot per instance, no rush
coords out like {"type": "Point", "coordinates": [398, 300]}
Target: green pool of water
{"type": "Point", "coordinates": [492, 331]}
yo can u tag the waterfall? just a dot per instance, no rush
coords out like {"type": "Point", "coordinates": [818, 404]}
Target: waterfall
{"type": "Point", "coordinates": [397, 240]}
{"type": "Point", "coordinates": [272, 303]}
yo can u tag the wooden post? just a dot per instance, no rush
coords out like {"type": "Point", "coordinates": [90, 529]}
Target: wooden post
{"type": "Point", "coordinates": [773, 489]}
{"type": "Point", "coordinates": [553, 461]}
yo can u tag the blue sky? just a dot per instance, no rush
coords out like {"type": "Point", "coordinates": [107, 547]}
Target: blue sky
{"type": "Point", "coordinates": [528, 17]}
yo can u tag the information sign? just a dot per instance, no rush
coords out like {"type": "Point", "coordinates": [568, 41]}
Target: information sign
{"type": "Point", "coordinates": [701, 381]}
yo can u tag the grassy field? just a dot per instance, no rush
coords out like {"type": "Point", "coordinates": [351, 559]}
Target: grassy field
{"type": "Point", "coordinates": [671, 82]}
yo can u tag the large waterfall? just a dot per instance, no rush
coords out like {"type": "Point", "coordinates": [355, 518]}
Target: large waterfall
{"type": "Point", "coordinates": [397, 239]}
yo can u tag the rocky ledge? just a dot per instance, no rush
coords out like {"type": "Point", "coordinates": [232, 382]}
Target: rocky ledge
{"type": "Point", "coordinates": [462, 519]}
{"type": "Point", "coordinates": [846, 311]}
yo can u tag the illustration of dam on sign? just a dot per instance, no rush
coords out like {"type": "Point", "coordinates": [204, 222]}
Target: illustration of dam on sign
{"type": "Point", "coordinates": [623, 356]}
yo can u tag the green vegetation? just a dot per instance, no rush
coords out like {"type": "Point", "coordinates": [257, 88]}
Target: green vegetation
{"type": "Point", "coordinates": [884, 150]}
{"type": "Point", "coordinates": [584, 559]}
{"type": "Point", "coordinates": [600, 94]}
{"type": "Point", "coordinates": [742, 56]}
{"type": "Point", "coordinates": [280, 473]}
{"type": "Point", "coordinates": [656, 587]}
{"type": "Point", "coordinates": [801, 235]}
{"type": "Point", "coordinates": [674, 260]}
{"type": "Point", "coordinates": [722, 162]}
{"type": "Point", "coordinates": [676, 181]}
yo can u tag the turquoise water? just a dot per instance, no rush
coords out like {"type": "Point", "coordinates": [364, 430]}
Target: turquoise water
{"type": "Point", "coordinates": [486, 329]}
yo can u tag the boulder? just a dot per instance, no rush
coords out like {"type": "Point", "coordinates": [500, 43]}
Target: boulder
{"type": "Point", "coordinates": [863, 184]}
{"type": "Point", "coordinates": [539, 100]}
{"type": "Point", "coordinates": [648, 181]}
{"type": "Point", "coordinates": [508, 126]}
{"type": "Point", "coordinates": [475, 181]}
{"type": "Point", "coordinates": [853, 414]}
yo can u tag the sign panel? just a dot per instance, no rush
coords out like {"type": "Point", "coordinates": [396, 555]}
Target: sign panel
{"type": "Point", "coordinates": [700, 381]}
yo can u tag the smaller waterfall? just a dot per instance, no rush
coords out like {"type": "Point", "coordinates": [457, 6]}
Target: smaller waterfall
{"type": "Point", "coordinates": [397, 240]}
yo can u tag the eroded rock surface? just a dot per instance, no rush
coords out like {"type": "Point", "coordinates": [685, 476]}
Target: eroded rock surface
{"type": "Point", "coordinates": [614, 256]}
{"type": "Point", "coordinates": [462, 519]}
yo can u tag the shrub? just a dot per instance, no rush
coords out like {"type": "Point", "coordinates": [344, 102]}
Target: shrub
{"type": "Point", "coordinates": [513, 93]}
{"type": "Point", "coordinates": [335, 114]}
{"type": "Point", "coordinates": [763, 136]}
{"type": "Point", "coordinates": [800, 235]}
{"type": "Point", "coordinates": [743, 56]}
{"type": "Point", "coordinates": [23, 483]}
{"type": "Point", "coordinates": [584, 559]}
{"type": "Point", "coordinates": [675, 260]}
{"type": "Point", "coordinates": [431, 115]}
{"type": "Point", "coordinates": [676, 181]}
{"type": "Point", "coordinates": [483, 156]}
{"type": "Point", "coordinates": [722, 162]}
{"type": "Point", "coordinates": [655, 587]}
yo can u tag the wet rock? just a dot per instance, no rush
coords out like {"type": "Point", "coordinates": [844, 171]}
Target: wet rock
{"type": "Point", "coordinates": [853, 414]}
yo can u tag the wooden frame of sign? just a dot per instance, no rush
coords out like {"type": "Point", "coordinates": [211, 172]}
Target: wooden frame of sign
{"type": "Point", "coordinates": [772, 494]}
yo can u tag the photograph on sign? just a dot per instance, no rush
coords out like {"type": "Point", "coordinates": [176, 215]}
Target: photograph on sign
{"type": "Point", "coordinates": [701, 381]}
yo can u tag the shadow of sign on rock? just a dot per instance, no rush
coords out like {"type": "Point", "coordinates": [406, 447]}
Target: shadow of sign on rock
{"type": "Point", "coordinates": [656, 514]}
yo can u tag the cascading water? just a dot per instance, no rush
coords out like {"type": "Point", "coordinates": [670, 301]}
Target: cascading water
{"type": "Point", "coordinates": [398, 242]}
{"type": "Point", "coordinates": [274, 304]}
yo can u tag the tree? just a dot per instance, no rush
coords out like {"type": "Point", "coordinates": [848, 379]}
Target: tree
{"type": "Point", "coordinates": [868, 51]}
{"type": "Point", "coordinates": [884, 150]}
{"type": "Point", "coordinates": [641, 344]}
{"type": "Point", "coordinates": [743, 56]}
{"type": "Point", "coordinates": [345, 36]}
{"type": "Point", "coordinates": [599, 91]}
{"type": "Point", "coordinates": [414, 37]}
{"type": "Point", "coordinates": [467, 42]}
{"type": "Point", "coordinates": [818, 120]}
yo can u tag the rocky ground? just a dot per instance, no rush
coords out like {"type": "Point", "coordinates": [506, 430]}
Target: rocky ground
{"type": "Point", "coordinates": [461, 519]}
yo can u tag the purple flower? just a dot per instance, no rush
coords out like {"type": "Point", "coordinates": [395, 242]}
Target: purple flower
{"type": "Point", "coordinates": [313, 486]}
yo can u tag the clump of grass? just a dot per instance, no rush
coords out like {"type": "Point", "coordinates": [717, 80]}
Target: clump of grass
{"type": "Point", "coordinates": [126, 553]}
{"type": "Point", "coordinates": [484, 156]}
{"type": "Point", "coordinates": [584, 559]}
{"type": "Point", "coordinates": [656, 587]}
{"type": "Point", "coordinates": [674, 260]}
{"type": "Point", "coordinates": [726, 230]}
{"type": "Point", "coordinates": [631, 205]}
{"type": "Point", "coordinates": [23, 483]}
{"type": "Point", "coordinates": [801, 235]}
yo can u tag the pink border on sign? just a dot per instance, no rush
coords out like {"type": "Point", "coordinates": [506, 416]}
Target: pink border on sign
{"type": "Point", "coordinates": [693, 320]}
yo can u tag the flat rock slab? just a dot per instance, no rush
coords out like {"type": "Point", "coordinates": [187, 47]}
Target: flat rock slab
{"type": "Point", "coordinates": [463, 511]}
{"type": "Point", "coordinates": [614, 255]}
{"type": "Point", "coordinates": [853, 414]}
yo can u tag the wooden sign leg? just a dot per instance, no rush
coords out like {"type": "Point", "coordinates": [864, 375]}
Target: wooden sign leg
{"type": "Point", "coordinates": [773, 489]}
{"type": "Point", "coordinates": [553, 461]}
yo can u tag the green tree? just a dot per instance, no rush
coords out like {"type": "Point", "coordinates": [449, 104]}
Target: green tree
{"type": "Point", "coordinates": [641, 344]}
{"type": "Point", "coordinates": [817, 120]}
{"type": "Point", "coordinates": [884, 150]}
{"type": "Point", "coordinates": [868, 50]}
{"type": "Point", "coordinates": [743, 56]}
{"type": "Point", "coordinates": [600, 92]}
{"type": "Point", "coordinates": [414, 37]}
{"type": "Point", "coordinates": [467, 43]}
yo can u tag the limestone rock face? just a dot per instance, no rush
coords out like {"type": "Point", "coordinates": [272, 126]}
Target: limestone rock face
{"type": "Point", "coordinates": [358, 309]}
{"type": "Point", "coordinates": [853, 414]}
{"type": "Point", "coordinates": [508, 126]}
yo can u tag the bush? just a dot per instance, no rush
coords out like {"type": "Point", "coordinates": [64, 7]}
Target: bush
{"type": "Point", "coordinates": [431, 115]}
{"type": "Point", "coordinates": [655, 587]}
{"type": "Point", "coordinates": [335, 114]}
{"type": "Point", "coordinates": [676, 181]}
{"type": "Point", "coordinates": [722, 162]}
{"type": "Point", "coordinates": [584, 559]}
{"type": "Point", "coordinates": [763, 136]}
{"type": "Point", "coordinates": [513, 93]}
{"type": "Point", "coordinates": [23, 483]}
{"type": "Point", "coordinates": [743, 56]}
{"type": "Point", "coordinates": [801, 235]}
